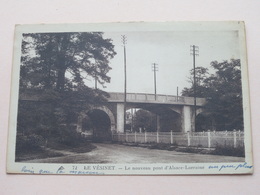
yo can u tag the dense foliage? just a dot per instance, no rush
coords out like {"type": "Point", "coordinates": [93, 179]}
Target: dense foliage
{"type": "Point", "coordinates": [54, 71]}
{"type": "Point", "coordinates": [223, 90]}
{"type": "Point", "coordinates": [144, 120]}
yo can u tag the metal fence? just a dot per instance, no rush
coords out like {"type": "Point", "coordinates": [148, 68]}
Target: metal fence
{"type": "Point", "coordinates": [209, 139]}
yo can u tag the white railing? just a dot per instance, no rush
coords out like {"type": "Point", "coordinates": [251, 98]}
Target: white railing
{"type": "Point", "coordinates": [209, 139]}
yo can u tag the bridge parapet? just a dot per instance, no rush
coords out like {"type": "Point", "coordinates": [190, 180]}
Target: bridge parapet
{"type": "Point", "coordinates": [135, 98]}
{"type": "Point", "coordinates": [150, 98]}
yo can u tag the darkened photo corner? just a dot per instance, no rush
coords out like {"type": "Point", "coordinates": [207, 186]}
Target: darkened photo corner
{"type": "Point", "coordinates": [130, 97]}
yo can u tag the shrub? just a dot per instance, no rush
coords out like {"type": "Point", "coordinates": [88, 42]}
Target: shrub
{"type": "Point", "coordinates": [227, 150]}
{"type": "Point", "coordinates": [29, 143]}
{"type": "Point", "coordinates": [162, 146]}
{"type": "Point", "coordinates": [65, 136]}
{"type": "Point", "coordinates": [189, 150]}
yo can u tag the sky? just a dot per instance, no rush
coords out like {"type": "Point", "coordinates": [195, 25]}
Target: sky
{"type": "Point", "coordinates": [171, 51]}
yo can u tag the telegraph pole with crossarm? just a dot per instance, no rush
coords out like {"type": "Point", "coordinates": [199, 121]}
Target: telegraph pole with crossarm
{"type": "Point", "coordinates": [194, 52]}
{"type": "Point", "coordinates": [154, 69]}
{"type": "Point", "coordinates": [124, 43]}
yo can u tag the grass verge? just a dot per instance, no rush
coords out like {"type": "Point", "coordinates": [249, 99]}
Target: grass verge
{"type": "Point", "coordinates": [43, 153]}
{"type": "Point", "coordinates": [36, 154]}
{"type": "Point", "coordinates": [229, 151]}
{"type": "Point", "coordinates": [79, 148]}
{"type": "Point", "coordinates": [218, 150]}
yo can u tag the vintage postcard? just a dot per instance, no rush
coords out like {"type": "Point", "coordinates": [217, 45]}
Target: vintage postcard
{"type": "Point", "coordinates": [165, 98]}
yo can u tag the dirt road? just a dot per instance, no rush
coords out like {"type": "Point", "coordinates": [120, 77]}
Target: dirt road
{"type": "Point", "coordinates": [115, 153]}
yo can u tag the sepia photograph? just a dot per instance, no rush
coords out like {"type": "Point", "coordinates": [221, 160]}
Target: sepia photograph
{"type": "Point", "coordinates": [130, 99]}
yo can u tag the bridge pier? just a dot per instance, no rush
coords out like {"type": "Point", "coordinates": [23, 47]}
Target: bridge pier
{"type": "Point", "coordinates": [158, 126]}
{"type": "Point", "coordinates": [120, 117]}
{"type": "Point", "coordinates": [187, 119]}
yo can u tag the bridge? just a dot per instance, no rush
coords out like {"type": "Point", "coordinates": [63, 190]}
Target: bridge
{"type": "Point", "coordinates": [175, 113]}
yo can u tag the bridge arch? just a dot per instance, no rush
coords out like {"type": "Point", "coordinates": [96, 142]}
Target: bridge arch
{"type": "Point", "coordinates": [110, 115]}
{"type": "Point", "coordinates": [168, 117]}
{"type": "Point", "coordinates": [97, 123]}
{"type": "Point", "coordinates": [204, 121]}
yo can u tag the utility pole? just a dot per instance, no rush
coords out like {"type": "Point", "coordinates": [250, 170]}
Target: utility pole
{"type": "Point", "coordinates": [177, 94]}
{"type": "Point", "coordinates": [154, 69]}
{"type": "Point", "coordinates": [132, 120]}
{"type": "Point", "coordinates": [194, 52]}
{"type": "Point", "coordinates": [124, 43]}
{"type": "Point", "coordinates": [95, 80]}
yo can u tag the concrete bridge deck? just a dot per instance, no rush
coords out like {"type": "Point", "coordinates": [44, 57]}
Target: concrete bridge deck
{"type": "Point", "coordinates": [160, 99]}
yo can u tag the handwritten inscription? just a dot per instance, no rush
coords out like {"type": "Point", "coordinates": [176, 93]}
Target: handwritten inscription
{"type": "Point", "coordinates": [85, 173]}
{"type": "Point", "coordinates": [227, 166]}
{"type": "Point", "coordinates": [245, 165]}
{"type": "Point", "coordinates": [45, 172]}
{"type": "Point", "coordinates": [60, 170]}
{"type": "Point", "coordinates": [231, 166]}
{"type": "Point", "coordinates": [27, 170]}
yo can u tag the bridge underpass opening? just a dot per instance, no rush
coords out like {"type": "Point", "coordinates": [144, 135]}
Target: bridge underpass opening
{"type": "Point", "coordinates": [170, 121]}
{"type": "Point", "coordinates": [152, 119]}
{"type": "Point", "coordinates": [140, 120]}
{"type": "Point", "coordinates": [98, 124]}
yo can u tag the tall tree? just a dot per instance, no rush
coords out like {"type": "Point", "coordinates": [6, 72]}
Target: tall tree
{"type": "Point", "coordinates": [63, 60]}
{"type": "Point", "coordinates": [201, 74]}
{"type": "Point", "coordinates": [55, 66]}
{"type": "Point", "coordinates": [223, 91]}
